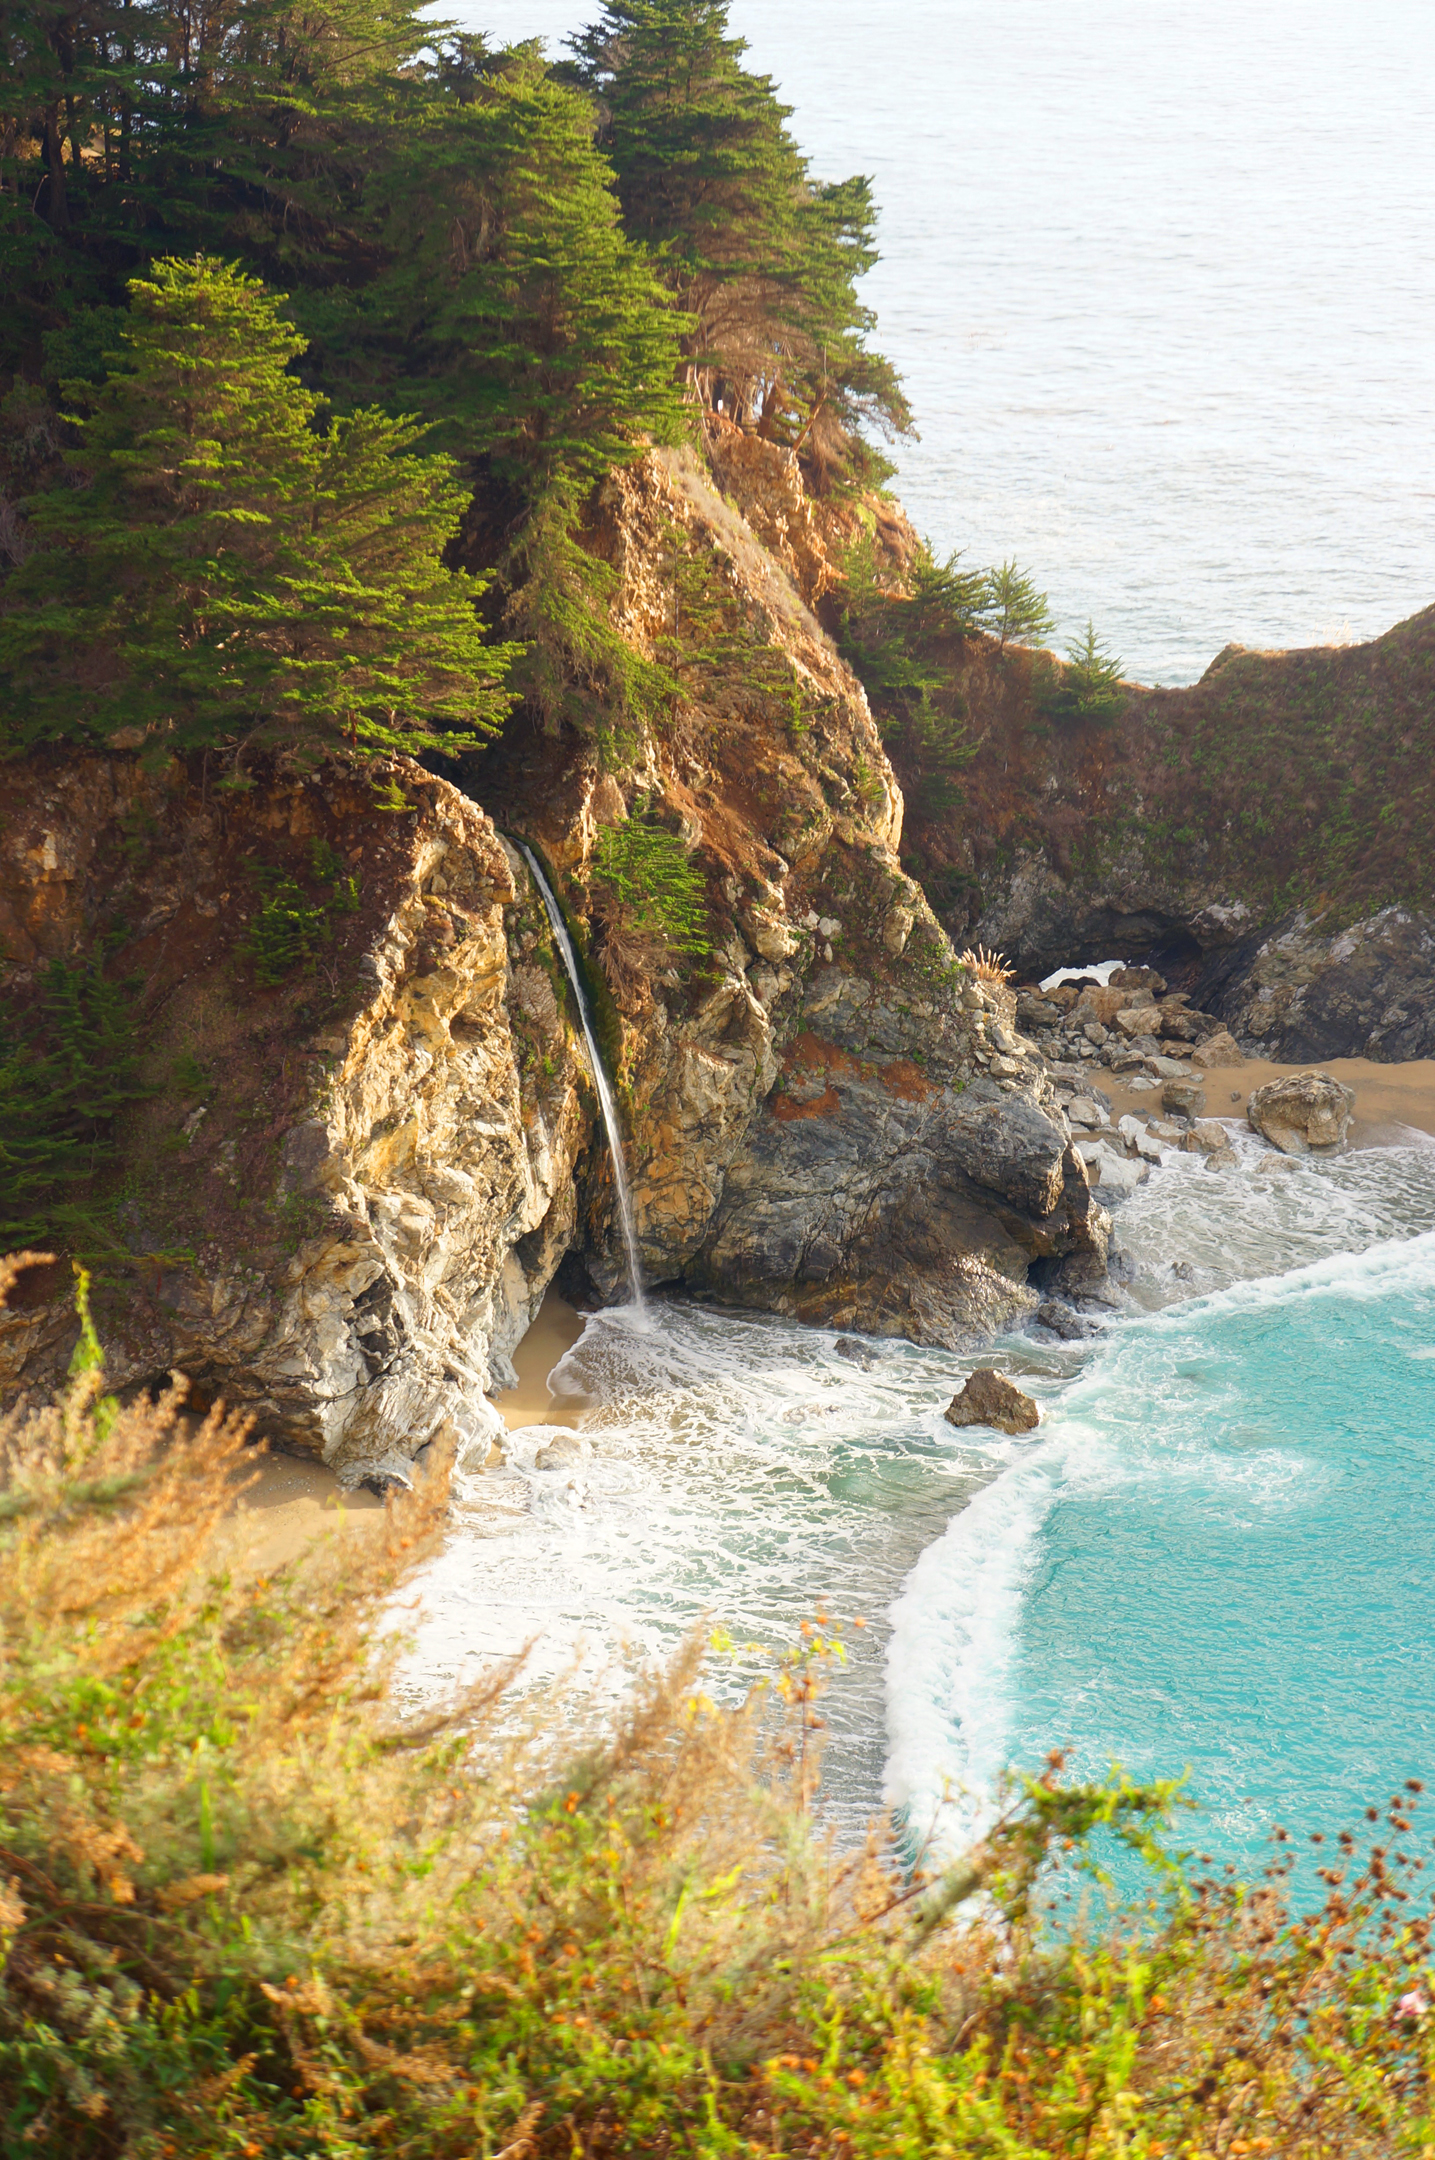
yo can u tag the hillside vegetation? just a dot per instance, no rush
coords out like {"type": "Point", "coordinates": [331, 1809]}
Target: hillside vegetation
{"type": "Point", "coordinates": [246, 1908]}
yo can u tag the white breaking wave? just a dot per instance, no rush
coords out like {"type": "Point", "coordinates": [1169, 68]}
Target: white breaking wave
{"type": "Point", "coordinates": [955, 1628]}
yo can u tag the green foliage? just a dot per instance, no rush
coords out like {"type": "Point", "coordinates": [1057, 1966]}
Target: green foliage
{"type": "Point", "coordinates": [1089, 687]}
{"type": "Point", "coordinates": [289, 929]}
{"type": "Point", "coordinates": [135, 129]}
{"type": "Point", "coordinates": [509, 307]}
{"type": "Point", "coordinates": [68, 1064]}
{"type": "Point", "coordinates": [225, 572]}
{"type": "Point", "coordinates": [898, 641]}
{"type": "Point", "coordinates": [245, 1909]}
{"type": "Point", "coordinates": [576, 666]}
{"type": "Point", "coordinates": [647, 884]}
{"type": "Point", "coordinates": [1014, 611]}
{"type": "Point", "coordinates": [765, 261]}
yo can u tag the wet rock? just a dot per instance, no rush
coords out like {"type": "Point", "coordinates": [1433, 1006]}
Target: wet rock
{"type": "Point", "coordinates": [1061, 1320]}
{"type": "Point", "coordinates": [856, 1353]}
{"type": "Point", "coordinates": [1206, 1137]}
{"type": "Point", "coordinates": [990, 1399]}
{"type": "Point", "coordinates": [1224, 1158]}
{"type": "Point", "coordinates": [1302, 1111]}
{"type": "Point", "coordinates": [563, 1452]}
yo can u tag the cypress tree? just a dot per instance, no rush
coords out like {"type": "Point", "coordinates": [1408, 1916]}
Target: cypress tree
{"type": "Point", "coordinates": [229, 571]}
{"type": "Point", "coordinates": [765, 260]}
{"type": "Point", "coordinates": [511, 309]}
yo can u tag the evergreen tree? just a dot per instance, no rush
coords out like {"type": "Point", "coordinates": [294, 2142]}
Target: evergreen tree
{"type": "Point", "coordinates": [135, 129]}
{"type": "Point", "coordinates": [1015, 611]}
{"type": "Point", "coordinates": [229, 571]}
{"type": "Point", "coordinates": [510, 308]}
{"type": "Point", "coordinates": [1089, 686]}
{"type": "Point", "coordinates": [764, 260]}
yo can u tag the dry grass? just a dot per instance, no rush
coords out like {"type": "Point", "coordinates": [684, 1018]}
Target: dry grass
{"type": "Point", "coordinates": [244, 1911]}
{"type": "Point", "coordinates": [988, 967]}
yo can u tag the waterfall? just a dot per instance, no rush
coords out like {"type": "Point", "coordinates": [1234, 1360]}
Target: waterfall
{"type": "Point", "coordinates": [600, 1080]}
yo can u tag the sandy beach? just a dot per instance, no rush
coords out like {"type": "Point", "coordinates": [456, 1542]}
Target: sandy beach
{"type": "Point", "coordinates": [290, 1501]}
{"type": "Point", "coordinates": [1389, 1099]}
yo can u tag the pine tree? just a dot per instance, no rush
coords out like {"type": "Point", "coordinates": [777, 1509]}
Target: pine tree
{"type": "Point", "coordinates": [1089, 686]}
{"type": "Point", "coordinates": [1015, 611]}
{"type": "Point", "coordinates": [229, 571]}
{"type": "Point", "coordinates": [764, 260]}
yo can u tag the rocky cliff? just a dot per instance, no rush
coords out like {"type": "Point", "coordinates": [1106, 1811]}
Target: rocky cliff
{"type": "Point", "coordinates": [366, 1137]}
{"type": "Point", "coordinates": [1261, 837]}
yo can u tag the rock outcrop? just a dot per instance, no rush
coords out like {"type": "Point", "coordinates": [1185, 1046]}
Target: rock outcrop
{"type": "Point", "coordinates": [1302, 1111]}
{"type": "Point", "coordinates": [345, 1194]}
{"type": "Point", "coordinates": [989, 1398]}
{"type": "Point", "coordinates": [1245, 834]}
{"type": "Point", "coordinates": [359, 1168]}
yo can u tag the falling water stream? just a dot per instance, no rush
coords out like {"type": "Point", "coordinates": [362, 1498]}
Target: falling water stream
{"type": "Point", "coordinates": [600, 1081]}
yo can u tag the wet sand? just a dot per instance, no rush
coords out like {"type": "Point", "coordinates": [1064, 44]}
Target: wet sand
{"type": "Point", "coordinates": [290, 1501]}
{"type": "Point", "coordinates": [555, 1329]}
{"type": "Point", "coordinates": [1389, 1099]}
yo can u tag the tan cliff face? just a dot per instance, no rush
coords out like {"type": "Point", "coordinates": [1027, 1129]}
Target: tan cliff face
{"type": "Point", "coordinates": [347, 1224]}
{"type": "Point", "coordinates": [348, 1189]}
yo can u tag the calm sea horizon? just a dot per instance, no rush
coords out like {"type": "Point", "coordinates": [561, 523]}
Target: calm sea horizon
{"type": "Point", "coordinates": [1155, 280]}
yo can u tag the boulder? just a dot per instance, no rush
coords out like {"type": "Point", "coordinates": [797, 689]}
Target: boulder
{"type": "Point", "coordinates": [990, 1399]}
{"type": "Point", "coordinates": [563, 1451]}
{"type": "Point", "coordinates": [1206, 1137]}
{"type": "Point", "coordinates": [1219, 1049]}
{"type": "Point", "coordinates": [1302, 1111]}
{"type": "Point", "coordinates": [1185, 1096]}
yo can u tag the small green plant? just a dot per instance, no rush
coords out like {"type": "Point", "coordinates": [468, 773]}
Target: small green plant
{"type": "Point", "coordinates": [288, 931]}
{"type": "Point", "coordinates": [1015, 611]}
{"type": "Point", "coordinates": [328, 869]}
{"type": "Point", "coordinates": [68, 1064]}
{"type": "Point", "coordinates": [189, 1076]}
{"type": "Point", "coordinates": [1088, 688]}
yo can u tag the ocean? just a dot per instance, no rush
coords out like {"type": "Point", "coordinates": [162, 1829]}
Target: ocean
{"type": "Point", "coordinates": [1214, 1556]}
{"type": "Point", "coordinates": [1156, 278]}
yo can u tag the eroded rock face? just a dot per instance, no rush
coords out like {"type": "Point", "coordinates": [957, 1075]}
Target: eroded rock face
{"type": "Point", "coordinates": [1364, 991]}
{"type": "Point", "coordinates": [1302, 1111]}
{"type": "Point", "coordinates": [989, 1398]}
{"type": "Point", "coordinates": [381, 1180]}
{"type": "Point", "coordinates": [891, 1184]}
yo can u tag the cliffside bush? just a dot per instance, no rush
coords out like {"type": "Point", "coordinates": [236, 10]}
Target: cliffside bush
{"type": "Point", "coordinates": [1088, 688]}
{"type": "Point", "coordinates": [69, 1060]}
{"type": "Point", "coordinates": [651, 898]}
{"type": "Point", "coordinates": [246, 1908]}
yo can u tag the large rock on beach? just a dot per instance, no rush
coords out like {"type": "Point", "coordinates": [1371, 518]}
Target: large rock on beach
{"type": "Point", "coordinates": [1217, 1050]}
{"type": "Point", "coordinates": [1302, 1111]}
{"type": "Point", "coordinates": [989, 1398]}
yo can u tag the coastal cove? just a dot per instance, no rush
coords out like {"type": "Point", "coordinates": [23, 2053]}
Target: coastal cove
{"type": "Point", "coordinates": [743, 1475]}
{"type": "Point", "coordinates": [717, 1082]}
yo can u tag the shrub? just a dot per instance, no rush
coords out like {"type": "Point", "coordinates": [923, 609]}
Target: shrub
{"type": "Point", "coordinates": [245, 1908]}
{"type": "Point", "coordinates": [652, 900]}
{"type": "Point", "coordinates": [68, 1064]}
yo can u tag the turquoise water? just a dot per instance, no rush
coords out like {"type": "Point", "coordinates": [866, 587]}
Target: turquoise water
{"type": "Point", "coordinates": [1220, 1558]}
{"type": "Point", "coordinates": [1217, 1550]}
